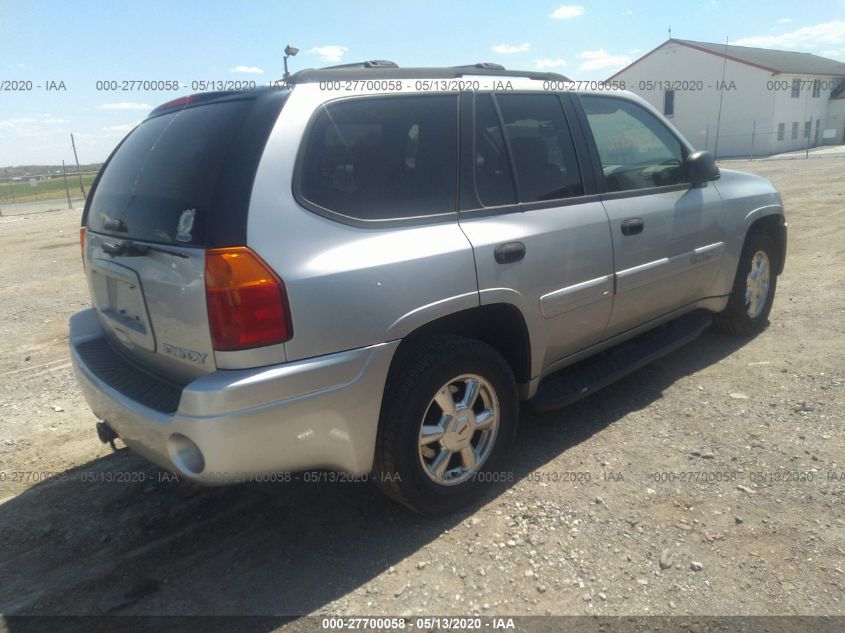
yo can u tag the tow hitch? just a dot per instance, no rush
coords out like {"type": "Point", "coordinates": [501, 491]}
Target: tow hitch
{"type": "Point", "coordinates": [107, 435]}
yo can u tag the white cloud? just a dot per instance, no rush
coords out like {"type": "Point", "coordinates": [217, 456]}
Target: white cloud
{"type": "Point", "coordinates": [547, 62]}
{"type": "Point", "coordinates": [834, 54]}
{"type": "Point", "coordinates": [43, 139]}
{"type": "Point", "coordinates": [125, 105]}
{"type": "Point", "coordinates": [507, 49]}
{"type": "Point", "coordinates": [12, 124]}
{"type": "Point", "coordinates": [330, 52]}
{"type": "Point", "coordinates": [254, 70]}
{"type": "Point", "coordinates": [33, 126]}
{"type": "Point", "coordinates": [120, 130]}
{"type": "Point", "coordinates": [602, 60]}
{"type": "Point", "coordinates": [567, 11]}
{"type": "Point", "coordinates": [805, 38]}
{"type": "Point", "coordinates": [784, 20]}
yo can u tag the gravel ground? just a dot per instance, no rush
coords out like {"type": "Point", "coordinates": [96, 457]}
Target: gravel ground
{"type": "Point", "coordinates": [40, 206]}
{"type": "Point", "coordinates": [710, 482]}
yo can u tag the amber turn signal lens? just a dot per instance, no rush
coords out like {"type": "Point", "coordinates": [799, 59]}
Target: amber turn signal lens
{"type": "Point", "coordinates": [247, 301]}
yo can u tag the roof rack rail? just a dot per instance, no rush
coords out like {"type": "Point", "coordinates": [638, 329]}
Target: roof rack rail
{"type": "Point", "coordinates": [384, 69]}
{"type": "Point", "coordinates": [370, 63]}
{"type": "Point", "coordinates": [487, 65]}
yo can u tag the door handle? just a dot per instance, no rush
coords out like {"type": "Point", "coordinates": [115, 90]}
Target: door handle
{"type": "Point", "coordinates": [510, 252]}
{"type": "Point", "coordinates": [632, 226]}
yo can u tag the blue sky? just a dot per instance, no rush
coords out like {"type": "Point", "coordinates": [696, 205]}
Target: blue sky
{"type": "Point", "coordinates": [83, 41]}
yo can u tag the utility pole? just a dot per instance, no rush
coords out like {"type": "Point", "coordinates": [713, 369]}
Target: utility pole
{"type": "Point", "coordinates": [807, 144]}
{"type": "Point", "coordinates": [78, 171]}
{"type": "Point", "coordinates": [753, 133]}
{"type": "Point", "coordinates": [721, 96]}
{"type": "Point", "coordinates": [67, 190]}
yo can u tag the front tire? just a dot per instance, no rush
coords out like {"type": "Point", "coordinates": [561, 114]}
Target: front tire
{"type": "Point", "coordinates": [448, 417]}
{"type": "Point", "coordinates": [754, 287]}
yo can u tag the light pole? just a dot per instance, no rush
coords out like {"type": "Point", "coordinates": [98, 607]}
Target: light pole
{"type": "Point", "coordinates": [290, 51]}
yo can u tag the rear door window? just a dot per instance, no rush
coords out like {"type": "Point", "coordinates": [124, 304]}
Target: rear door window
{"type": "Point", "coordinates": [493, 175]}
{"type": "Point", "coordinates": [383, 158]}
{"type": "Point", "coordinates": [541, 144]}
{"type": "Point", "coordinates": [160, 184]}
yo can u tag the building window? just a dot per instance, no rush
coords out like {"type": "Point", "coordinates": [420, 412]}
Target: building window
{"type": "Point", "coordinates": [807, 126]}
{"type": "Point", "coordinates": [795, 129]}
{"type": "Point", "coordinates": [796, 88]}
{"type": "Point", "coordinates": [669, 103]}
{"type": "Point", "coordinates": [817, 88]}
{"type": "Point", "coordinates": [781, 130]}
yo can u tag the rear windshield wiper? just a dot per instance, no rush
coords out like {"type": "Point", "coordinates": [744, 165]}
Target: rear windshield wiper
{"type": "Point", "coordinates": [131, 249]}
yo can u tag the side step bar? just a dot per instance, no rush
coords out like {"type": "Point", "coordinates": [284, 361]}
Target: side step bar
{"type": "Point", "coordinates": [591, 374]}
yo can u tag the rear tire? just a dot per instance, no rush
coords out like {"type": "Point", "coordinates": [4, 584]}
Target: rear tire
{"type": "Point", "coordinates": [448, 418]}
{"type": "Point", "coordinates": [753, 291]}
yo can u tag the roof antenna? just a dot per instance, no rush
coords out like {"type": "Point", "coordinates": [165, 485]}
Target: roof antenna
{"type": "Point", "coordinates": [670, 32]}
{"type": "Point", "coordinates": [290, 51]}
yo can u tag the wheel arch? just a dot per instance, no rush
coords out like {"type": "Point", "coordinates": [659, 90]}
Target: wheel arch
{"type": "Point", "coordinates": [774, 225]}
{"type": "Point", "coordinates": [500, 325]}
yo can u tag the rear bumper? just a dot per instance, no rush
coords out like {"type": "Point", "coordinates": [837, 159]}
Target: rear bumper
{"type": "Point", "coordinates": [316, 413]}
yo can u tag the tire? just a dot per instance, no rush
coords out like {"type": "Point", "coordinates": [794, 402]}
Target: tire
{"type": "Point", "coordinates": [435, 478]}
{"type": "Point", "coordinates": [744, 317]}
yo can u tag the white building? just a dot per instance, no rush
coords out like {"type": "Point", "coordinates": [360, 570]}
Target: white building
{"type": "Point", "coordinates": [742, 101]}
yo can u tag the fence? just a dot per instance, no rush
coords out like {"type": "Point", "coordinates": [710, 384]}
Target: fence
{"type": "Point", "coordinates": [46, 186]}
{"type": "Point", "coordinates": [759, 143]}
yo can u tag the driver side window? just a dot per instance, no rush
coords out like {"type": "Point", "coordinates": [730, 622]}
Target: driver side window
{"type": "Point", "coordinates": [636, 150]}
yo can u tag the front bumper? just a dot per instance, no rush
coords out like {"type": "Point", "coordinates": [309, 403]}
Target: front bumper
{"type": "Point", "coordinates": [231, 425]}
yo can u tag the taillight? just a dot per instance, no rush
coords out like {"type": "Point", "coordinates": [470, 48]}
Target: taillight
{"type": "Point", "coordinates": [82, 243]}
{"type": "Point", "coordinates": [247, 302]}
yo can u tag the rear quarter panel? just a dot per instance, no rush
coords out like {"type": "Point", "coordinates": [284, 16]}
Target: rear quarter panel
{"type": "Point", "coordinates": [349, 286]}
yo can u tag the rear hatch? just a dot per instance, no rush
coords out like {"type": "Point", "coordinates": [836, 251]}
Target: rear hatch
{"type": "Point", "coordinates": [177, 185]}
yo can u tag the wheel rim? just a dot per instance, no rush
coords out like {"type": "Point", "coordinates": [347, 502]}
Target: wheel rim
{"type": "Point", "coordinates": [757, 284]}
{"type": "Point", "coordinates": [458, 429]}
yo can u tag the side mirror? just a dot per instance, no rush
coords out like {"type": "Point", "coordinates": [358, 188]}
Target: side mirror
{"type": "Point", "coordinates": [701, 167]}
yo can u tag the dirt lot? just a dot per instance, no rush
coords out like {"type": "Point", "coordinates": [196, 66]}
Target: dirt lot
{"type": "Point", "coordinates": [760, 529]}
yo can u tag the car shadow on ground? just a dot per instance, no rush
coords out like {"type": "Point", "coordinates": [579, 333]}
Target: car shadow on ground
{"type": "Point", "coordinates": [118, 525]}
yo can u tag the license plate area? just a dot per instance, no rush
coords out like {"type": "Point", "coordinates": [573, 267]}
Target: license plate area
{"type": "Point", "coordinates": [119, 300]}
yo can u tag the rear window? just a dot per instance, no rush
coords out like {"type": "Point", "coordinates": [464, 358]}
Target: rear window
{"type": "Point", "coordinates": [383, 158]}
{"type": "Point", "coordinates": [168, 179]}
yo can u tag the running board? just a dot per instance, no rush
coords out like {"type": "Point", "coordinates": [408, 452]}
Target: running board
{"type": "Point", "coordinates": [591, 374]}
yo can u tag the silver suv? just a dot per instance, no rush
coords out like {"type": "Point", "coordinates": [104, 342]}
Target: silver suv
{"type": "Point", "coordinates": [366, 269]}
